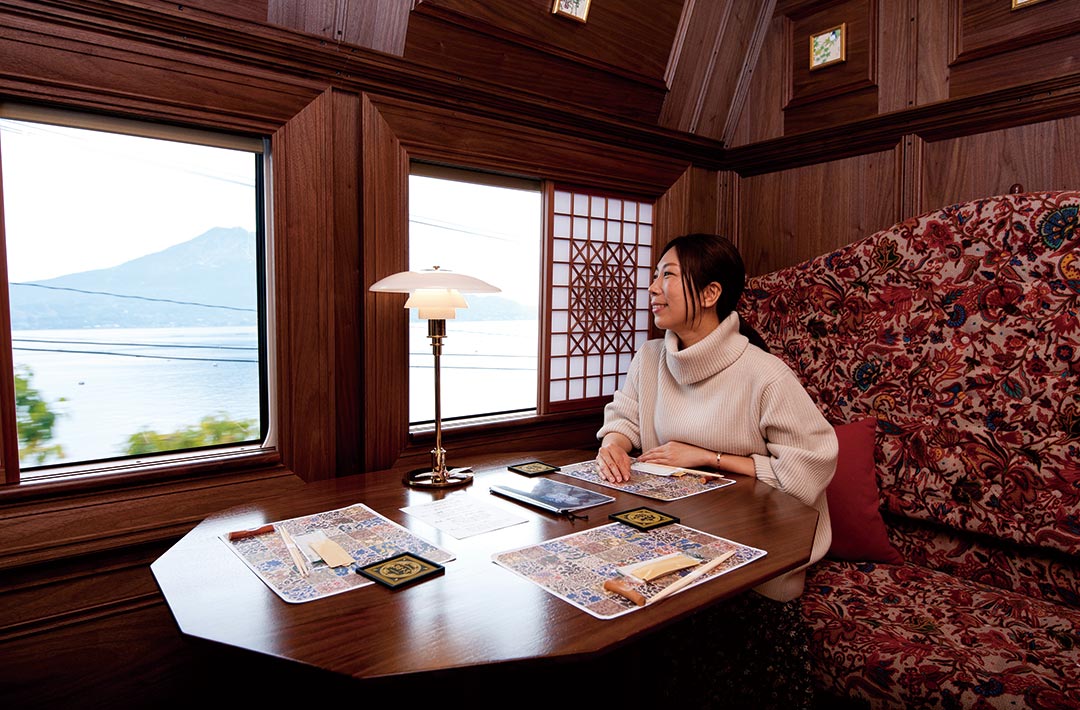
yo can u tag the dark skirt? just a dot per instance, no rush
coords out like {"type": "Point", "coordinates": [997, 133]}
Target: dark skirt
{"type": "Point", "coordinates": [745, 652]}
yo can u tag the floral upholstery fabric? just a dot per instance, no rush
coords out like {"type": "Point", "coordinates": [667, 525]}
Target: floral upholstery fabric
{"type": "Point", "coordinates": [902, 636]}
{"type": "Point", "coordinates": [959, 330]}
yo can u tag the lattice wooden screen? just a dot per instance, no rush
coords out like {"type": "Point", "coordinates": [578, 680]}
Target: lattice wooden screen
{"type": "Point", "coordinates": [601, 261]}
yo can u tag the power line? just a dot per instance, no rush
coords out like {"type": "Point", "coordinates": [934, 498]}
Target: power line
{"type": "Point", "coordinates": [136, 298]}
{"type": "Point", "coordinates": [149, 357]}
{"type": "Point", "coordinates": [136, 345]}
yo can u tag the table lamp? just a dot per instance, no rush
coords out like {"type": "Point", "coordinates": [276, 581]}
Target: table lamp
{"type": "Point", "coordinates": [436, 294]}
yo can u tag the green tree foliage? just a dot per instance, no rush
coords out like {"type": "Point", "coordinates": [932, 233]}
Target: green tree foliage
{"type": "Point", "coordinates": [211, 430]}
{"type": "Point", "coordinates": [34, 421]}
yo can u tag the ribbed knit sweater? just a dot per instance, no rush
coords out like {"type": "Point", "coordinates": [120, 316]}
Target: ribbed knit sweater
{"type": "Point", "coordinates": [725, 395]}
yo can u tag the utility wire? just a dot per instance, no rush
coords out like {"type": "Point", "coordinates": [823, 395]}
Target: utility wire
{"type": "Point", "coordinates": [136, 345]}
{"type": "Point", "coordinates": [149, 357]}
{"type": "Point", "coordinates": [136, 298]}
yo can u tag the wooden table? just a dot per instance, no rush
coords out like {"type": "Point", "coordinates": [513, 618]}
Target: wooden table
{"type": "Point", "coordinates": [475, 616]}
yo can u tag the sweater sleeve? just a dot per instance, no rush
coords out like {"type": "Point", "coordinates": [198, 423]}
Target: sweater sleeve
{"type": "Point", "coordinates": [623, 413]}
{"type": "Point", "coordinates": [801, 442]}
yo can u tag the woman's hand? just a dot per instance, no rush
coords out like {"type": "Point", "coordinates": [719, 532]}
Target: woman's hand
{"type": "Point", "coordinates": [614, 458]}
{"type": "Point", "coordinates": [678, 454]}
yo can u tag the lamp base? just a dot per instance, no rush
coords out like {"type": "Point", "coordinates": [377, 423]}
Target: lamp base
{"type": "Point", "coordinates": [427, 478]}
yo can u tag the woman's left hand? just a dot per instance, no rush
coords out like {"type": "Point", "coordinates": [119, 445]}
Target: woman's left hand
{"type": "Point", "coordinates": [676, 453]}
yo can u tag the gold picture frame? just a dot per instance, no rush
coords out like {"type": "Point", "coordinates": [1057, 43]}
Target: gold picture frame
{"type": "Point", "coordinates": [1021, 4]}
{"type": "Point", "coordinates": [574, 9]}
{"type": "Point", "coordinates": [828, 47]}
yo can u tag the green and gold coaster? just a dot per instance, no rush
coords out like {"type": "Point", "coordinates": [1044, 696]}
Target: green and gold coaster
{"type": "Point", "coordinates": [400, 570]}
{"type": "Point", "coordinates": [644, 518]}
{"type": "Point", "coordinates": [533, 468]}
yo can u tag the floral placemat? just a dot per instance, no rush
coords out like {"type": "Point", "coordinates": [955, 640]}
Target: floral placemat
{"type": "Point", "coordinates": [575, 567]}
{"type": "Point", "coordinates": [364, 534]}
{"type": "Point", "coordinates": [647, 484]}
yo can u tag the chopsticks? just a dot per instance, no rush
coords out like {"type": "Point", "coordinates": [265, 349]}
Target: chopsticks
{"type": "Point", "coordinates": [302, 565]}
{"type": "Point", "coordinates": [690, 578]}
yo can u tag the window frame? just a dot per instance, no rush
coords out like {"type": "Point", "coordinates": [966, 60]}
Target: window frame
{"type": "Point", "coordinates": [477, 433]}
{"type": "Point", "coordinates": [89, 475]}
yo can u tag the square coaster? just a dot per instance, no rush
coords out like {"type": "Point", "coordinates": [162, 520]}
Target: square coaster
{"type": "Point", "coordinates": [400, 570]}
{"type": "Point", "coordinates": [533, 468]}
{"type": "Point", "coordinates": [644, 518]}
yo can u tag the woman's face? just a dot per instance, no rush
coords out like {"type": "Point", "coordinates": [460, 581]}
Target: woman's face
{"type": "Point", "coordinates": [666, 298]}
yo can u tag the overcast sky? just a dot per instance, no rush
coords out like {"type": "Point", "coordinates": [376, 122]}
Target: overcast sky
{"type": "Point", "coordinates": [76, 200]}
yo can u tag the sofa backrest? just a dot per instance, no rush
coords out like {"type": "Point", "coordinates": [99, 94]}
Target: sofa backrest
{"type": "Point", "coordinates": [960, 331]}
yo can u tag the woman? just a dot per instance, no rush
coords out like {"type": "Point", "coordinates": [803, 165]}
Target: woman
{"type": "Point", "coordinates": [704, 396]}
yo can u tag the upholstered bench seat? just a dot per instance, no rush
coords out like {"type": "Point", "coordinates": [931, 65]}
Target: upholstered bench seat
{"type": "Point", "coordinates": [946, 350]}
{"type": "Point", "coordinates": [900, 636]}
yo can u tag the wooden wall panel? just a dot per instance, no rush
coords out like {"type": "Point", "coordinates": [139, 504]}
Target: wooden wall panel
{"type": "Point", "coordinates": [486, 142]}
{"type": "Point", "coordinates": [1040, 156]}
{"type": "Point", "coordinates": [713, 61]}
{"type": "Point", "coordinates": [506, 62]}
{"type": "Point", "coordinates": [933, 41]}
{"type": "Point", "coordinates": [317, 262]}
{"type": "Point", "coordinates": [376, 24]}
{"type": "Point", "coordinates": [692, 204]}
{"type": "Point", "coordinates": [839, 93]}
{"type": "Point", "coordinates": [987, 27]}
{"type": "Point", "coordinates": [629, 37]}
{"type": "Point", "coordinates": [762, 113]}
{"type": "Point", "coordinates": [897, 37]}
{"type": "Point", "coordinates": [385, 230]}
{"type": "Point", "coordinates": [794, 215]}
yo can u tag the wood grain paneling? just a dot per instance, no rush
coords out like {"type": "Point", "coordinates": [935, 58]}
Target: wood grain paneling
{"type": "Point", "coordinates": [376, 24]}
{"type": "Point", "coordinates": [385, 238]}
{"type": "Point", "coordinates": [761, 117]}
{"type": "Point", "coordinates": [1040, 156]}
{"type": "Point", "coordinates": [705, 87]}
{"type": "Point", "coordinates": [794, 215]}
{"type": "Point", "coordinates": [933, 20]}
{"type": "Point", "coordinates": [631, 37]}
{"type": "Point", "coordinates": [987, 27]}
{"type": "Point", "coordinates": [896, 38]}
{"type": "Point", "coordinates": [253, 10]}
{"type": "Point", "coordinates": [858, 71]}
{"type": "Point", "coordinates": [317, 258]}
{"type": "Point", "coordinates": [1049, 60]}
{"type": "Point", "coordinates": [531, 151]}
{"type": "Point", "coordinates": [692, 204]}
{"type": "Point", "coordinates": [498, 61]}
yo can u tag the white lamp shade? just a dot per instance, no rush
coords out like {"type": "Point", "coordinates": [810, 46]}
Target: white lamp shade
{"type": "Point", "coordinates": [436, 302]}
{"type": "Point", "coordinates": [433, 292]}
{"type": "Point", "coordinates": [409, 281]}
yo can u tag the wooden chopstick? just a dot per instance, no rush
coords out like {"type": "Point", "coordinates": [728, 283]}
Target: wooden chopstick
{"type": "Point", "coordinates": [689, 579]}
{"type": "Point", "coordinates": [298, 558]}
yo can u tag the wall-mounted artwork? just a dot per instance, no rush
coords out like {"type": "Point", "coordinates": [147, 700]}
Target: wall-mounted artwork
{"type": "Point", "coordinates": [828, 47]}
{"type": "Point", "coordinates": [1017, 4]}
{"type": "Point", "coordinates": [574, 9]}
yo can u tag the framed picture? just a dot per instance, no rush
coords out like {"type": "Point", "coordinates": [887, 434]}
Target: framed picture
{"type": "Point", "coordinates": [574, 9]}
{"type": "Point", "coordinates": [1017, 4]}
{"type": "Point", "coordinates": [828, 47]}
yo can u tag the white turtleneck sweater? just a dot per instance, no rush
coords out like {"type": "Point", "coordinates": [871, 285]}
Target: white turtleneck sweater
{"type": "Point", "coordinates": [725, 395]}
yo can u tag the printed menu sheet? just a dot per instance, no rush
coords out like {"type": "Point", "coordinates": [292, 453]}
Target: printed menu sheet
{"type": "Point", "coordinates": [649, 485]}
{"type": "Point", "coordinates": [575, 567]}
{"type": "Point", "coordinates": [358, 531]}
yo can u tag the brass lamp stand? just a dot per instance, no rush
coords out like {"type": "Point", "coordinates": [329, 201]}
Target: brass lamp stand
{"type": "Point", "coordinates": [438, 476]}
{"type": "Point", "coordinates": [436, 294]}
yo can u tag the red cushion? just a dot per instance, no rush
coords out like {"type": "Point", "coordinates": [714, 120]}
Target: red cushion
{"type": "Point", "coordinates": [858, 532]}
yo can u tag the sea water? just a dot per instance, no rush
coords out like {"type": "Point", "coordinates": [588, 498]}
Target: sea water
{"type": "Point", "coordinates": [106, 384]}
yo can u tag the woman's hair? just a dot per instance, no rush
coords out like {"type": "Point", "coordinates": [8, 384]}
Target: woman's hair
{"type": "Point", "coordinates": [705, 258]}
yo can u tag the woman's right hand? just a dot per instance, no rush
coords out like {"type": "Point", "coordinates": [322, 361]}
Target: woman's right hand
{"type": "Point", "coordinates": [613, 460]}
